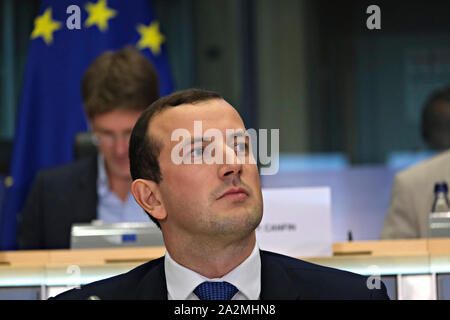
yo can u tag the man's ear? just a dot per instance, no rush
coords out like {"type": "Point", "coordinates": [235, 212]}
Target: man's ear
{"type": "Point", "coordinates": [147, 195]}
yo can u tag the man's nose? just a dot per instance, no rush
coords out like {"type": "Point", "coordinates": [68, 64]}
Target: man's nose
{"type": "Point", "coordinates": [232, 166]}
{"type": "Point", "coordinates": [121, 145]}
{"type": "Point", "coordinates": [230, 170]}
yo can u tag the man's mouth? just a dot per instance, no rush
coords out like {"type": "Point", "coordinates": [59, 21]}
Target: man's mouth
{"type": "Point", "coordinates": [234, 193]}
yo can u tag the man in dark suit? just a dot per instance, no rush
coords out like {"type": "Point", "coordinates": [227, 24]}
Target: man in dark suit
{"type": "Point", "coordinates": [201, 186]}
{"type": "Point", "coordinates": [116, 88]}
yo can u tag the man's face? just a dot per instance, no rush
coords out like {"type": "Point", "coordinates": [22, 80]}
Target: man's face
{"type": "Point", "coordinates": [113, 130]}
{"type": "Point", "coordinates": [195, 195]}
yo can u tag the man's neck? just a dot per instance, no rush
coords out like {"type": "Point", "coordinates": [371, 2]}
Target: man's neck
{"type": "Point", "coordinates": [121, 186]}
{"type": "Point", "coordinates": [213, 260]}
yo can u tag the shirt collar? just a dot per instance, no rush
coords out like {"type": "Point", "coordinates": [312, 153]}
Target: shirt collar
{"type": "Point", "coordinates": [246, 277]}
{"type": "Point", "coordinates": [102, 177]}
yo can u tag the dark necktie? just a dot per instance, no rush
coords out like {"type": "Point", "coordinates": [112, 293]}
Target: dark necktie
{"type": "Point", "coordinates": [215, 291]}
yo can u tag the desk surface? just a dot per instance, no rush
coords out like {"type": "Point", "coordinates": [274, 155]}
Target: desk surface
{"type": "Point", "coordinates": [61, 267]}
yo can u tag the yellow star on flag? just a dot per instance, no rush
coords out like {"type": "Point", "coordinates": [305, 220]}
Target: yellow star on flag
{"type": "Point", "coordinates": [150, 37]}
{"type": "Point", "coordinates": [99, 14]}
{"type": "Point", "coordinates": [44, 27]}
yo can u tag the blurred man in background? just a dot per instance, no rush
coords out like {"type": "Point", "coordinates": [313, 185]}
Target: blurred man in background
{"type": "Point", "coordinates": [412, 191]}
{"type": "Point", "coordinates": [116, 88]}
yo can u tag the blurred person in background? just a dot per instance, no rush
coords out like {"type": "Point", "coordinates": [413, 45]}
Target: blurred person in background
{"type": "Point", "coordinates": [116, 88]}
{"type": "Point", "coordinates": [412, 192]}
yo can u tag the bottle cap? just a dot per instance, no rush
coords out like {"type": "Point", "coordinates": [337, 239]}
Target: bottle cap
{"type": "Point", "coordinates": [441, 187]}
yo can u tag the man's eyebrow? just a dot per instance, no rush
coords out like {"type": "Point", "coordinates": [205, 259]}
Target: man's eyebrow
{"type": "Point", "coordinates": [193, 141]}
{"type": "Point", "coordinates": [237, 134]}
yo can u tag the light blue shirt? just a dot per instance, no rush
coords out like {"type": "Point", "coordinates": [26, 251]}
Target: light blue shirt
{"type": "Point", "coordinates": [110, 208]}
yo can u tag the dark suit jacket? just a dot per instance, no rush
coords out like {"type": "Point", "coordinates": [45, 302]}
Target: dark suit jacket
{"type": "Point", "coordinates": [58, 198]}
{"type": "Point", "coordinates": [282, 277]}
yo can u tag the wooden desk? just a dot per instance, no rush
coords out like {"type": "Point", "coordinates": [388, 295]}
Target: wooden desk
{"type": "Point", "coordinates": [52, 258]}
{"type": "Point", "coordinates": [53, 268]}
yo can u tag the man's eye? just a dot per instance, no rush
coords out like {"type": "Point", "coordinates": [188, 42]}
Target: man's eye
{"type": "Point", "coordinates": [241, 147]}
{"type": "Point", "coordinates": [197, 152]}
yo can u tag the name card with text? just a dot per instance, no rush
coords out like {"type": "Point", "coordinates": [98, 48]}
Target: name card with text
{"type": "Point", "coordinates": [296, 222]}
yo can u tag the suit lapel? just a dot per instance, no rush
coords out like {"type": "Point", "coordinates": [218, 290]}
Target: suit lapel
{"type": "Point", "coordinates": [153, 286]}
{"type": "Point", "coordinates": [275, 281]}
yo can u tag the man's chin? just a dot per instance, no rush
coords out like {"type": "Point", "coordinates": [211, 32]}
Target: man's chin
{"type": "Point", "coordinates": [243, 219]}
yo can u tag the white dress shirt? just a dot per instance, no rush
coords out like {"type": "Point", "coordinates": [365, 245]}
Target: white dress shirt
{"type": "Point", "coordinates": [246, 277]}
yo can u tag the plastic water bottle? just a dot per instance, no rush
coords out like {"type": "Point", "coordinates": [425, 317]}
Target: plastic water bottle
{"type": "Point", "coordinates": [440, 203]}
{"type": "Point", "coordinates": [439, 222]}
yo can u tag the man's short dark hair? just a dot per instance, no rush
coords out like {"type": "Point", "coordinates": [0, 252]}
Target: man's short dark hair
{"type": "Point", "coordinates": [429, 114]}
{"type": "Point", "coordinates": [123, 79]}
{"type": "Point", "coordinates": [144, 150]}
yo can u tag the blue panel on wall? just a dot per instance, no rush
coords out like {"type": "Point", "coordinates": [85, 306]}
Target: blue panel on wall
{"type": "Point", "coordinates": [291, 162]}
{"type": "Point", "coordinates": [20, 293]}
{"type": "Point", "coordinates": [391, 286]}
{"type": "Point", "coordinates": [399, 160]}
{"type": "Point", "coordinates": [443, 286]}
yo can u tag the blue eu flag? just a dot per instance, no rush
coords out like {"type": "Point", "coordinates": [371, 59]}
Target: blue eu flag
{"type": "Point", "coordinates": [67, 36]}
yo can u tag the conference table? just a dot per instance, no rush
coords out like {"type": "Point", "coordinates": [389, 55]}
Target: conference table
{"type": "Point", "coordinates": [411, 269]}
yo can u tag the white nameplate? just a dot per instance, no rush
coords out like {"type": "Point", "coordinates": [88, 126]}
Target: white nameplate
{"type": "Point", "coordinates": [296, 222]}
